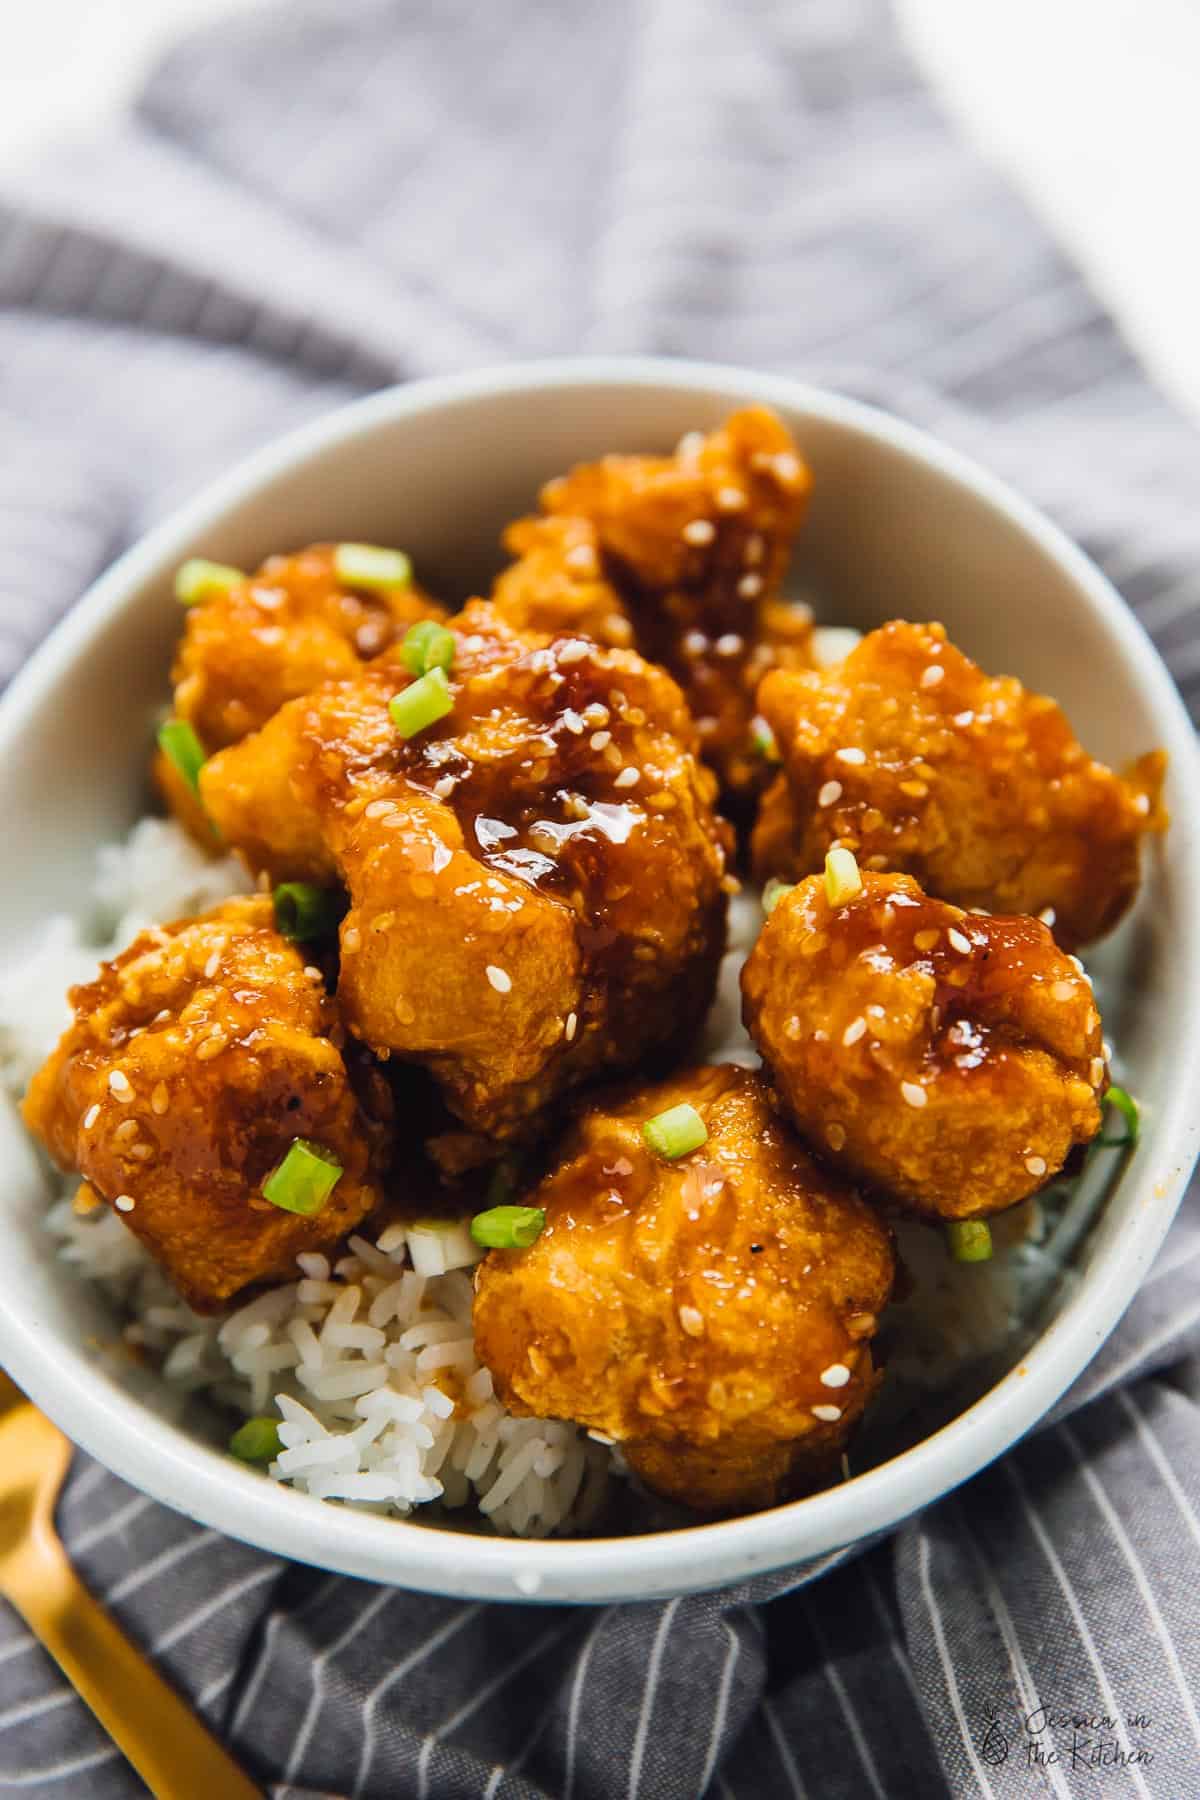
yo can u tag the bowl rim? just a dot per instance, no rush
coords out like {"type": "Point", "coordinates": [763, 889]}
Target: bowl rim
{"type": "Point", "coordinates": [165, 1462]}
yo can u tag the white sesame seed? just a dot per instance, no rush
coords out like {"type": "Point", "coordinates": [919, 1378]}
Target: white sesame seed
{"type": "Point", "coordinates": [695, 643]}
{"type": "Point", "coordinates": [351, 939]}
{"type": "Point", "coordinates": [835, 1136]}
{"type": "Point", "coordinates": [500, 979]}
{"type": "Point", "coordinates": [1106, 1050]}
{"type": "Point", "coordinates": [160, 1098]}
{"type": "Point", "coordinates": [118, 1084]}
{"type": "Point", "coordinates": [836, 1375]}
{"type": "Point", "coordinates": [1141, 803]}
{"type": "Point", "coordinates": [124, 1203]}
{"type": "Point", "coordinates": [964, 718]}
{"type": "Point", "coordinates": [828, 1415]}
{"type": "Point", "coordinates": [1036, 1165]}
{"type": "Point", "coordinates": [572, 722]}
{"type": "Point", "coordinates": [692, 1320]}
{"type": "Point", "coordinates": [443, 789]}
{"type": "Point", "coordinates": [730, 499]}
{"type": "Point", "coordinates": [729, 644]}
{"type": "Point", "coordinates": [1047, 915]}
{"type": "Point", "coordinates": [857, 1028]}
{"type": "Point", "coordinates": [932, 675]}
{"type": "Point", "coordinates": [1095, 1072]}
{"type": "Point", "coordinates": [787, 466]}
{"type": "Point", "coordinates": [376, 809]}
{"type": "Point", "coordinates": [699, 531]}
{"type": "Point", "coordinates": [750, 586]}
{"type": "Point", "coordinates": [90, 1116]}
{"type": "Point", "coordinates": [212, 965]}
{"type": "Point", "coordinates": [689, 445]}
{"type": "Point", "coordinates": [831, 792]}
{"type": "Point", "coordinates": [601, 1437]}
{"type": "Point", "coordinates": [572, 652]}
{"type": "Point", "coordinates": [627, 778]}
{"type": "Point", "coordinates": [916, 1096]}
{"type": "Point", "coordinates": [959, 941]}
{"type": "Point", "coordinates": [600, 740]}
{"type": "Point", "coordinates": [571, 1027]}
{"type": "Point", "coordinates": [1062, 990]}
{"type": "Point", "coordinates": [851, 755]}
{"type": "Point", "coordinates": [313, 973]}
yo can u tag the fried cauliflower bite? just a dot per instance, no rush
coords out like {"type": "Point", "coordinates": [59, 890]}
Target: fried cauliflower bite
{"type": "Point", "coordinates": [537, 881]}
{"type": "Point", "coordinates": [949, 1058]}
{"type": "Point", "coordinates": [193, 1062]}
{"type": "Point", "coordinates": [909, 755]}
{"type": "Point", "coordinates": [556, 583]}
{"type": "Point", "coordinates": [277, 635]}
{"type": "Point", "coordinates": [712, 1315]}
{"type": "Point", "coordinates": [691, 550]}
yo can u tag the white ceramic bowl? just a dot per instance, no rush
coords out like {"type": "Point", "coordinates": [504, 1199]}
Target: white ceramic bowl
{"type": "Point", "coordinates": [900, 526]}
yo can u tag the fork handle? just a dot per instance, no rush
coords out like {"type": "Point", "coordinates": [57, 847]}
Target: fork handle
{"type": "Point", "coordinates": [175, 1755]}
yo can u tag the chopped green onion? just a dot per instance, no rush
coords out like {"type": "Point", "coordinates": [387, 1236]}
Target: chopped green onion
{"type": "Point", "coordinates": [180, 745]}
{"type": "Point", "coordinates": [969, 1240]}
{"type": "Point", "coordinates": [842, 877]}
{"type": "Point", "coordinates": [427, 645]}
{"type": "Point", "coordinates": [369, 566]}
{"type": "Point", "coordinates": [675, 1132]}
{"type": "Point", "coordinates": [1128, 1106]}
{"type": "Point", "coordinates": [304, 1180]}
{"type": "Point", "coordinates": [508, 1227]}
{"type": "Point", "coordinates": [422, 704]}
{"type": "Point", "coordinates": [197, 580]}
{"type": "Point", "coordinates": [257, 1441]}
{"type": "Point", "coordinates": [763, 740]}
{"type": "Point", "coordinates": [773, 893]}
{"type": "Point", "coordinates": [303, 911]}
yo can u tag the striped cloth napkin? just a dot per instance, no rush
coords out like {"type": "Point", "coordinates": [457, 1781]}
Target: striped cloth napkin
{"type": "Point", "coordinates": [312, 202]}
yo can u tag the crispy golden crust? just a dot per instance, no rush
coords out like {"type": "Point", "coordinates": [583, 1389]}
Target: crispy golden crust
{"type": "Point", "coordinates": [949, 1058]}
{"type": "Point", "coordinates": [690, 1309]}
{"type": "Point", "coordinates": [684, 555]}
{"type": "Point", "coordinates": [912, 757]}
{"type": "Point", "coordinates": [276, 635]}
{"type": "Point", "coordinates": [537, 882]}
{"type": "Point", "coordinates": [194, 1059]}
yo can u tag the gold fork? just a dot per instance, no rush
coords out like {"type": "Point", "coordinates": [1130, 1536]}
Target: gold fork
{"type": "Point", "coordinates": [171, 1750]}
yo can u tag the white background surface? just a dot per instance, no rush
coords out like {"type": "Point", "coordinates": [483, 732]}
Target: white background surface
{"type": "Point", "coordinates": [1091, 106]}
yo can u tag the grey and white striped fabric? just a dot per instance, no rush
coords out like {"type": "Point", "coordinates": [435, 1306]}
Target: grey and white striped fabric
{"type": "Point", "coordinates": [318, 200]}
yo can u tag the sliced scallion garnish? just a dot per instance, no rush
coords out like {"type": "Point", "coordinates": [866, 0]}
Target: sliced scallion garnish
{"type": "Point", "coordinates": [303, 1181]}
{"type": "Point", "coordinates": [371, 566]}
{"type": "Point", "coordinates": [675, 1132]}
{"type": "Point", "coordinates": [179, 744]}
{"type": "Point", "coordinates": [842, 877]}
{"type": "Point", "coordinates": [1127, 1106]}
{"type": "Point", "coordinates": [303, 911]}
{"type": "Point", "coordinates": [257, 1441]}
{"type": "Point", "coordinates": [508, 1227]}
{"type": "Point", "coordinates": [427, 645]}
{"type": "Point", "coordinates": [422, 704]}
{"type": "Point", "coordinates": [969, 1240]}
{"type": "Point", "coordinates": [198, 579]}
{"type": "Point", "coordinates": [773, 893]}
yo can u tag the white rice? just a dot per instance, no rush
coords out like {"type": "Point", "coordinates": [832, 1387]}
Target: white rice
{"type": "Point", "coordinates": [369, 1366]}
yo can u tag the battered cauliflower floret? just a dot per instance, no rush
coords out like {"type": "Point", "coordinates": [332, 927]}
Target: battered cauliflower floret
{"type": "Point", "coordinates": [537, 880]}
{"type": "Point", "coordinates": [949, 1058]}
{"type": "Point", "coordinates": [909, 755]}
{"type": "Point", "coordinates": [276, 635]}
{"type": "Point", "coordinates": [691, 550]}
{"type": "Point", "coordinates": [557, 584]}
{"type": "Point", "coordinates": [712, 1315]}
{"type": "Point", "coordinates": [194, 1061]}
